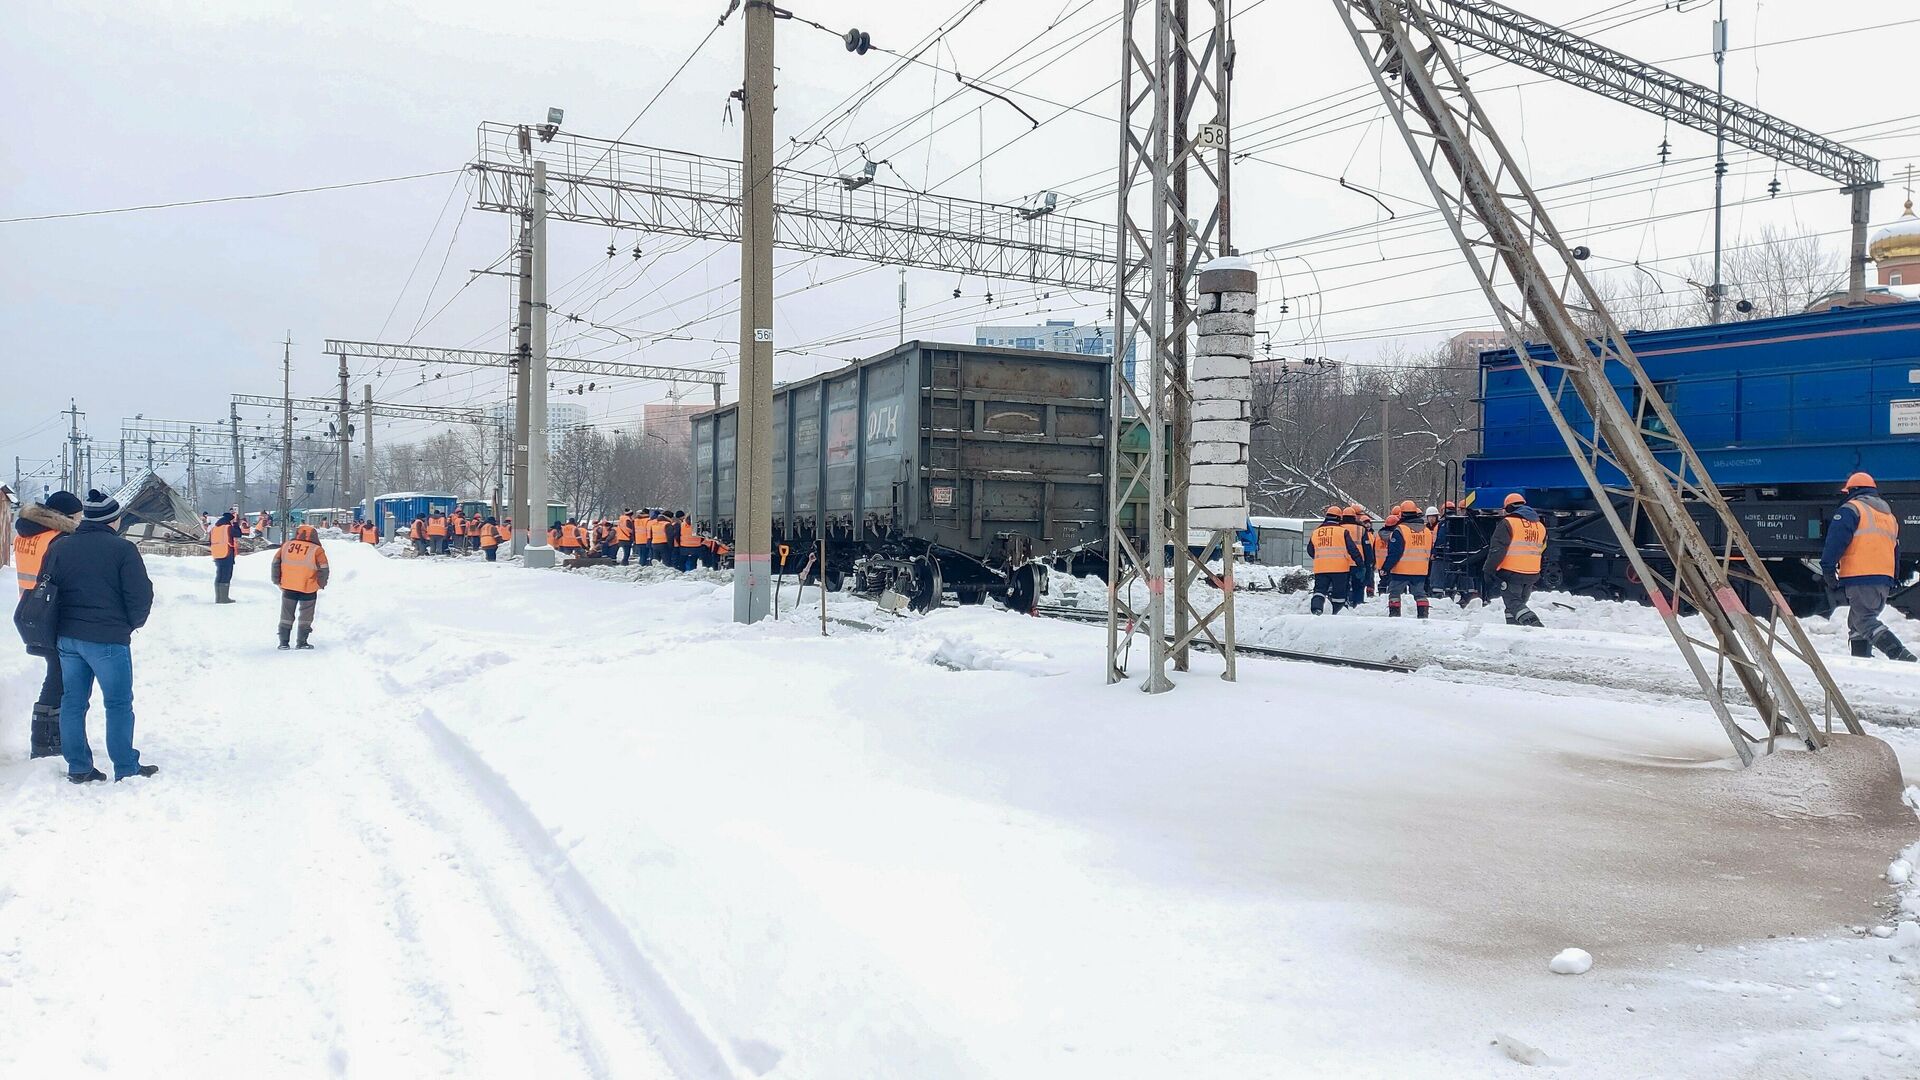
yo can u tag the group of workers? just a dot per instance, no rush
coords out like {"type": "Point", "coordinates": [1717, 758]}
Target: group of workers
{"type": "Point", "coordinates": [299, 568]}
{"type": "Point", "coordinates": [650, 535]}
{"type": "Point", "coordinates": [443, 533]}
{"type": "Point", "coordinates": [1351, 561]}
{"type": "Point", "coordinates": [1416, 551]}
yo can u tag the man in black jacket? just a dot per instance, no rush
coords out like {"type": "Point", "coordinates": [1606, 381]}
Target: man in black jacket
{"type": "Point", "coordinates": [104, 596]}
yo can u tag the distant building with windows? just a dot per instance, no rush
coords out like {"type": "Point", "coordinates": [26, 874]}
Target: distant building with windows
{"type": "Point", "coordinates": [1055, 335]}
{"type": "Point", "coordinates": [1467, 346]}
{"type": "Point", "coordinates": [562, 418]}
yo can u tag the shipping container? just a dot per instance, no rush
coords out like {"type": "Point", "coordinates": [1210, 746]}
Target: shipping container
{"type": "Point", "coordinates": [975, 461]}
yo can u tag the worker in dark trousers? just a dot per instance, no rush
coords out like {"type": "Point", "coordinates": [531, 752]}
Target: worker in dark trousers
{"type": "Point", "coordinates": [1513, 558]}
{"type": "Point", "coordinates": [224, 542]}
{"type": "Point", "coordinates": [40, 525]}
{"type": "Point", "coordinates": [1861, 559]}
{"type": "Point", "coordinates": [300, 569]}
{"type": "Point", "coordinates": [623, 536]}
{"type": "Point", "coordinates": [1358, 524]}
{"type": "Point", "coordinates": [1408, 559]}
{"type": "Point", "coordinates": [490, 539]}
{"type": "Point", "coordinates": [1334, 553]}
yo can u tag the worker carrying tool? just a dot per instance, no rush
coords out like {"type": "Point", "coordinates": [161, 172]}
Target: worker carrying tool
{"type": "Point", "coordinates": [1861, 560]}
{"type": "Point", "coordinates": [1513, 558]}
{"type": "Point", "coordinates": [300, 569]}
{"type": "Point", "coordinates": [1408, 559]}
{"type": "Point", "coordinates": [1334, 552]}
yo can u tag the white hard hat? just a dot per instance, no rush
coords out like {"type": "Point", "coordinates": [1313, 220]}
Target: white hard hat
{"type": "Point", "coordinates": [1432, 511]}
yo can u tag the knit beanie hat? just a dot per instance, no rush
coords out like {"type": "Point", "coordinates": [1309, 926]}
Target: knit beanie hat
{"type": "Point", "coordinates": [99, 506]}
{"type": "Point", "coordinates": [63, 502]}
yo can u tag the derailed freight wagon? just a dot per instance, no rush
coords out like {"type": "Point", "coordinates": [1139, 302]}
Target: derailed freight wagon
{"type": "Point", "coordinates": [928, 469]}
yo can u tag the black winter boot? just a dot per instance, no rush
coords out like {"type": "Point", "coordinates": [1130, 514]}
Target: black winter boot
{"type": "Point", "coordinates": [301, 641]}
{"type": "Point", "coordinates": [1421, 611]}
{"type": "Point", "coordinates": [46, 731]}
{"type": "Point", "coordinates": [1891, 645]}
{"type": "Point", "coordinates": [223, 592]}
{"type": "Point", "coordinates": [285, 632]}
{"type": "Point", "coordinates": [1393, 610]}
{"type": "Point", "coordinates": [1861, 649]}
{"type": "Point", "coordinates": [87, 777]}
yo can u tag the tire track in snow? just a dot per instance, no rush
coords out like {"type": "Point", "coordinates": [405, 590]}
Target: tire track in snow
{"type": "Point", "coordinates": [688, 1049]}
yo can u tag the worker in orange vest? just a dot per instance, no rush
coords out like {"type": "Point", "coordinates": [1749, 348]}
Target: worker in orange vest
{"type": "Point", "coordinates": [504, 531]}
{"type": "Point", "coordinates": [1334, 553]}
{"type": "Point", "coordinates": [490, 539]}
{"type": "Point", "coordinates": [1862, 559]}
{"type": "Point", "coordinates": [369, 533]}
{"type": "Point", "coordinates": [1514, 552]}
{"type": "Point", "coordinates": [417, 532]}
{"type": "Point", "coordinates": [655, 544]}
{"type": "Point", "coordinates": [689, 541]}
{"type": "Point", "coordinates": [223, 542]}
{"type": "Point", "coordinates": [1358, 524]}
{"type": "Point", "coordinates": [623, 536]}
{"type": "Point", "coordinates": [40, 526]}
{"type": "Point", "coordinates": [262, 524]}
{"type": "Point", "coordinates": [437, 531]}
{"type": "Point", "coordinates": [1407, 559]}
{"type": "Point", "coordinates": [300, 569]}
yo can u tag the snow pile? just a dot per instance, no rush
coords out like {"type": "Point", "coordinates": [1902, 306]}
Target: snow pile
{"type": "Point", "coordinates": [1570, 962]}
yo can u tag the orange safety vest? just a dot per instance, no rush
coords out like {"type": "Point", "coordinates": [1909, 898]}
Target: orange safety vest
{"type": "Point", "coordinates": [417, 530]}
{"type": "Point", "coordinates": [1416, 551]}
{"type": "Point", "coordinates": [503, 533]}
{"type": "Point", "coordinates": [1526, 542]}
{"type": "Point", "coordinates": [657, 530]}
{"type": "Point", "coordinates": [300, 562]}
{"type": "Point", "coordinates": [569, 535]}
{"type": "Point", "coordinates": [1330, 550]}
{"type": "Point", "coordinates": [437, 526]}
{"type": "Point", "coordinates": [28, 553]}
{"type": "Point", "coordinates": [457, 524]}
{"type": "Point", "coordinates": [688, 537]}
{"type": "Point", "coordinates": [369, 533]}
{"type": "Point", "coordinates": [1871, 551]}
{"type": "Point", "coordinates": [262, 522]}
{"type": "Point", "coordinates": [222, 541]}
{"type": "Point", "coordinates": [1379, 549]}
{"type": "Point", "coordinates": [623, 531]}
{"type": "Point", "coordinates": [489, 537]}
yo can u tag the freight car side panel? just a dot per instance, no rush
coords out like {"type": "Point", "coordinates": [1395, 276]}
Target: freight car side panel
{"type": "Point", "coordinates": [700, 492]}
{"type": "Point", "coordinates": [724, 483]}
{"type": "Point", "coordinates": [1796, 400]}
{"type": "Point", "coordinates": [806, 455]}
{"type": "Point", "coordinates": [781, 453]}
{"type": "Point", "coordinates": [883, 458]}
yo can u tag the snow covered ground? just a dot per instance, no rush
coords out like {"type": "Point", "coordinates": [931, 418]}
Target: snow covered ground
{"type": "Point", "coordinates": [508, 823]}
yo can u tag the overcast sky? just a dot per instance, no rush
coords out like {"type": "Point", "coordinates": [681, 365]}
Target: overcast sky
{"type": "Point", "coordinates": [164, 313]}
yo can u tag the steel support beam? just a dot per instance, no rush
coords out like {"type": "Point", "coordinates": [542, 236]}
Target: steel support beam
{"type": "Point", "coordinates": [1535, 283]}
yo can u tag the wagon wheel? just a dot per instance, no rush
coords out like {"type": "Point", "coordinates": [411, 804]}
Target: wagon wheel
{"type": "Point", "coordinates": [1023, 593]}
{"type": "Point", "coordinates": [927, 585]}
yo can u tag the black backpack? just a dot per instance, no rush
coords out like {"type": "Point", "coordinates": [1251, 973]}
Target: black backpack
{"type": "Point", "coordinates": [38, 618]}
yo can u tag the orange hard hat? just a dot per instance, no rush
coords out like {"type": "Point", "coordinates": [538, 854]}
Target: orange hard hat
{"type": "Point", "coordinates": [1336, 510]}
{"type": "Point", "coordinates": [306, 532]}
{"type": "Point", "coordinates": [1448, 505]}
{"type": "Point", "coordinates": [1392, 520]}
{"type": "Point", "coordinates": [1408, 506]}
{"type": "Point", "coordinates": [1859, 480]}
{"type": "Point", "coordinates": [1514, 497]}
{"type": "Point", "coordinates": [1353, 511]}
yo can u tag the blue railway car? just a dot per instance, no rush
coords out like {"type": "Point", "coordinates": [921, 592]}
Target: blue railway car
{"type": "Point", "coordinates": [1780, 410]}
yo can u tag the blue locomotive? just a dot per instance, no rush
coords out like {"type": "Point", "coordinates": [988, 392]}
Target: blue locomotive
{"type": "Point", "coordinates": [1780, 410]}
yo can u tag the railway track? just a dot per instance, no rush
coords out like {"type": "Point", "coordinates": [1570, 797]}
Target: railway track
{"type": "Point", "coordinates": [1242, 648]}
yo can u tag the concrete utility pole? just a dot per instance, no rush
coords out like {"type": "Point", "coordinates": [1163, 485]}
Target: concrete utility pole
{"type": "Point", "coordinates": [523, 389]}
{"type": "Point", "coordinates": [366, 424]}
{"type": "Point", "coordinates": [70, 471]}
{"type": "Point", "coordinates": [1718, 290]}
{"type": "Point", "coordinates": [345, 485]}
{"type": "Point", "coordinates": [753, 460]}
{"type": "Point", "coordinates": [537, 552]}
{"type": "Point", "coordinates": [239, 462]}
{"type": "Point", "coordinates": [1386, 463]}
{"type": "Point", "coordinates": [286, 434]}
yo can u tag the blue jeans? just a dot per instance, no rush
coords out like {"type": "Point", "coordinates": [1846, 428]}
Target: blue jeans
{"type": "Point", "coordinates": [81, 662]}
